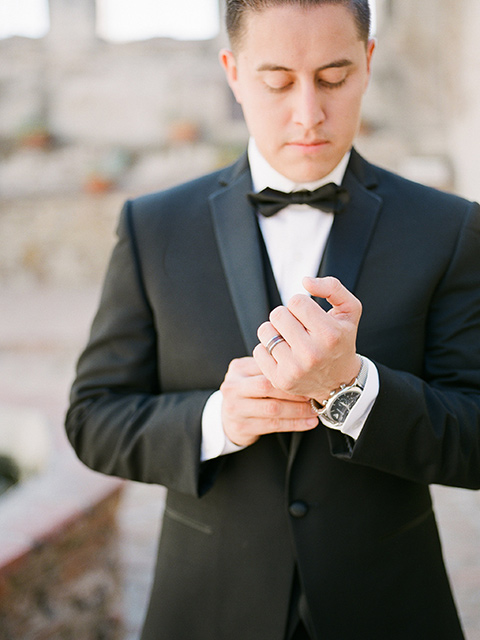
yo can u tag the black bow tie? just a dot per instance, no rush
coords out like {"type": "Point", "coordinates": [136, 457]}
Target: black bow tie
{"type": "Point", "coordinates": [330, 197]}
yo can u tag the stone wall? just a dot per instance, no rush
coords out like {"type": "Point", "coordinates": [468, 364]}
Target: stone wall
{"type": "Point", "coordinates": [463, 121]}
{"type": "Point", "coordinates": [425, 93]}
{"type": "Point", "coordinates": [59, 569]}
{"type": "Point", "coordinates": [58, 240]}
{"type": "Point", "coordinates": [80, 117]}
{"type": "Point", "coordinates": [84, 124]}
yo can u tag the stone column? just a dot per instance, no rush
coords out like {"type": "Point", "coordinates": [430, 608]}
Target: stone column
{"type": "Point", "coordinates": [426, 51]}
{"type": "Point", "coordinates": [72, 25]}
{"type": "Point", "coordinates": [464, 102]}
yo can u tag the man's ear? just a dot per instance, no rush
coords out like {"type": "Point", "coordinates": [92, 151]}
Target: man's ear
{"type": "Point", "coordinates": [229, 64]}
{"type": "Point", "coordinates": [370, 49]}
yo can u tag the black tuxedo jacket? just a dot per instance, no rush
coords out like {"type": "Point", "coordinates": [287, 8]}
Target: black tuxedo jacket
{"type": "Point", "coordinates": [183, 296]}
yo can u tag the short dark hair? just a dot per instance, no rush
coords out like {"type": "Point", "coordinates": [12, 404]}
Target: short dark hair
{"type": "Point", "coordinates": [235, 10]}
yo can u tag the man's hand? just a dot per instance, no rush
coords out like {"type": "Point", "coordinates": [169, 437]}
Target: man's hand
{"type": "Point", "coordinates": [253, 407]}
{"type": "Point", "coordinates": [319, 353]}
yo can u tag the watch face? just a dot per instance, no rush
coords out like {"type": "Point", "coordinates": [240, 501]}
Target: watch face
{"type": "Point", "coordinates": [343, 404]}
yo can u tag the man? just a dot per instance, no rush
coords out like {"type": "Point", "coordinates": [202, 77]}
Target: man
{"type": "Point", "coordinates": [298, 502]}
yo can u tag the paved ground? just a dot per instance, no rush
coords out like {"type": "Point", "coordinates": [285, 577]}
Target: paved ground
{"type": "Point", "coordinates": [41, 333]}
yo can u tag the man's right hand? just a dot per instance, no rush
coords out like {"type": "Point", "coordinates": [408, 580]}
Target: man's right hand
{"type": "Point", "coordinates": [252, 407]}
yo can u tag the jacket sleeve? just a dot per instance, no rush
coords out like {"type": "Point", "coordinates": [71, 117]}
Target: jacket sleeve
{"type": "Point", "coordinates": [427, 429]}
{"type": "Point", "coordinates": [120, 421]}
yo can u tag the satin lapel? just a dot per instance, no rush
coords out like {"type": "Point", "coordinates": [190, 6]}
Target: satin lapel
{"type": "Point", "coordinates": [237, 236]}
{"type": "Point", "coordinates": [350, 235]}
{"type": "Point", "coordinates": [294, 444]}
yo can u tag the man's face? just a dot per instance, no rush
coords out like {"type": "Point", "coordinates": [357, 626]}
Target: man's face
{"type": "Point", "coordinates": [300, 75]}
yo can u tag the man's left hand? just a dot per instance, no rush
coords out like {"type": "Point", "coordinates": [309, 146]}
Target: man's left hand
{"type": "Point", "coordinates": [318, 353]}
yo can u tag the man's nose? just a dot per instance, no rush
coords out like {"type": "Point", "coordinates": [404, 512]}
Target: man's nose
{"type": "Point", "coordinates": [308, 109]}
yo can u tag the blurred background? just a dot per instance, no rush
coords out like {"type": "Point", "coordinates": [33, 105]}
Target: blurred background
{"type": "Point", "coordinates": [102, 100]}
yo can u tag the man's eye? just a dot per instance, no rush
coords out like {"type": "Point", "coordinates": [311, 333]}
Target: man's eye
{"type": "Point", "coordinates": [332, 78]}
{"type": "Point", "coordinates": [277, 81]}
{"type": "Point", "coordinates": [332, 85]}
{"type": "Point", "coordinates": [277, 88]}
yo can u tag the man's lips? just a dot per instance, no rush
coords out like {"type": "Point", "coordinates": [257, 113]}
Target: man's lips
{"type": "Point", "coordinates": [307, 146]}
{"type": "Point", "coordinates": [308, 143]}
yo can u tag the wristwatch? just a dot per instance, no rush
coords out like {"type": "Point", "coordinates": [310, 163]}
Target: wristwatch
{"type": "Point", "coordinates": [340, 402]}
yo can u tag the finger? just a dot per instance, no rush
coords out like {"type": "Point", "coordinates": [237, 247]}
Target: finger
{"type": "Point", "coordinates": [272, 340]}
{"type": "Point", "coordinates": [295, 322]}
{"type": "Point", "coordinates": [246, 365]}
{"type": "Point", "coordinates": [342, 300]}
{"type": "Point", "coordinates": [243, 368]}
{"type": "Point", "coordinates": [238, 385]}
{"type": "Point", "coordinates": [246, 431]}
{"type": "Point", "coordinates": [277, 409]}
{"type": "Point", "coordinates": [261, 416]}
{"type": "Point", "coordinates": [280, 384]}
{"type": "Point", "coordinates": [261, 387]}
{"type": "Point", "coordinates": [265, 362]}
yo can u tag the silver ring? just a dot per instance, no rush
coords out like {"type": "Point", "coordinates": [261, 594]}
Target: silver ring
{"type": "Point", "coordinates": [272, 343]}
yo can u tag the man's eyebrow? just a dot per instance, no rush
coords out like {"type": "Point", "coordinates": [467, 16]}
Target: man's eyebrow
{"type": "Point", "coordinates": [336, 64]}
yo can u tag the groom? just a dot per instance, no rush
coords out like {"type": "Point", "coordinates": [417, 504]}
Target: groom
{"type": "Point", "coordinates": [295, 369]}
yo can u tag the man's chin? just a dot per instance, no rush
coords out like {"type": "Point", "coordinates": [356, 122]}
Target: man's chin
{"type": "Point", "coordinates": [305, 170]}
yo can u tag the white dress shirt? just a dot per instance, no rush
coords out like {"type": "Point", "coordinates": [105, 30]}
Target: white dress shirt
{"type": "Point", "coordinates": [295, 239]}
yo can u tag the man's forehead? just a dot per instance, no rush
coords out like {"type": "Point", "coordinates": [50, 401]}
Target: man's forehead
{"type": "Point", "coordinates": [285, 28]}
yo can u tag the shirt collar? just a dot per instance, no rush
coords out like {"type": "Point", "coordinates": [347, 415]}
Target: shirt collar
{"type": "Point", "coordinates": [263, 175]}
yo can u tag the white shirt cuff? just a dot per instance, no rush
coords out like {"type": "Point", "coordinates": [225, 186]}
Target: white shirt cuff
{"type": "Point", "coordinates": [356, 419]}
{"type": "Point", "coordinates": [214, 441]}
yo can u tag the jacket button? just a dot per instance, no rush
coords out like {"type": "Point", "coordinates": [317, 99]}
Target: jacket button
{"type": "Point", "coordinates": [298, 509]}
